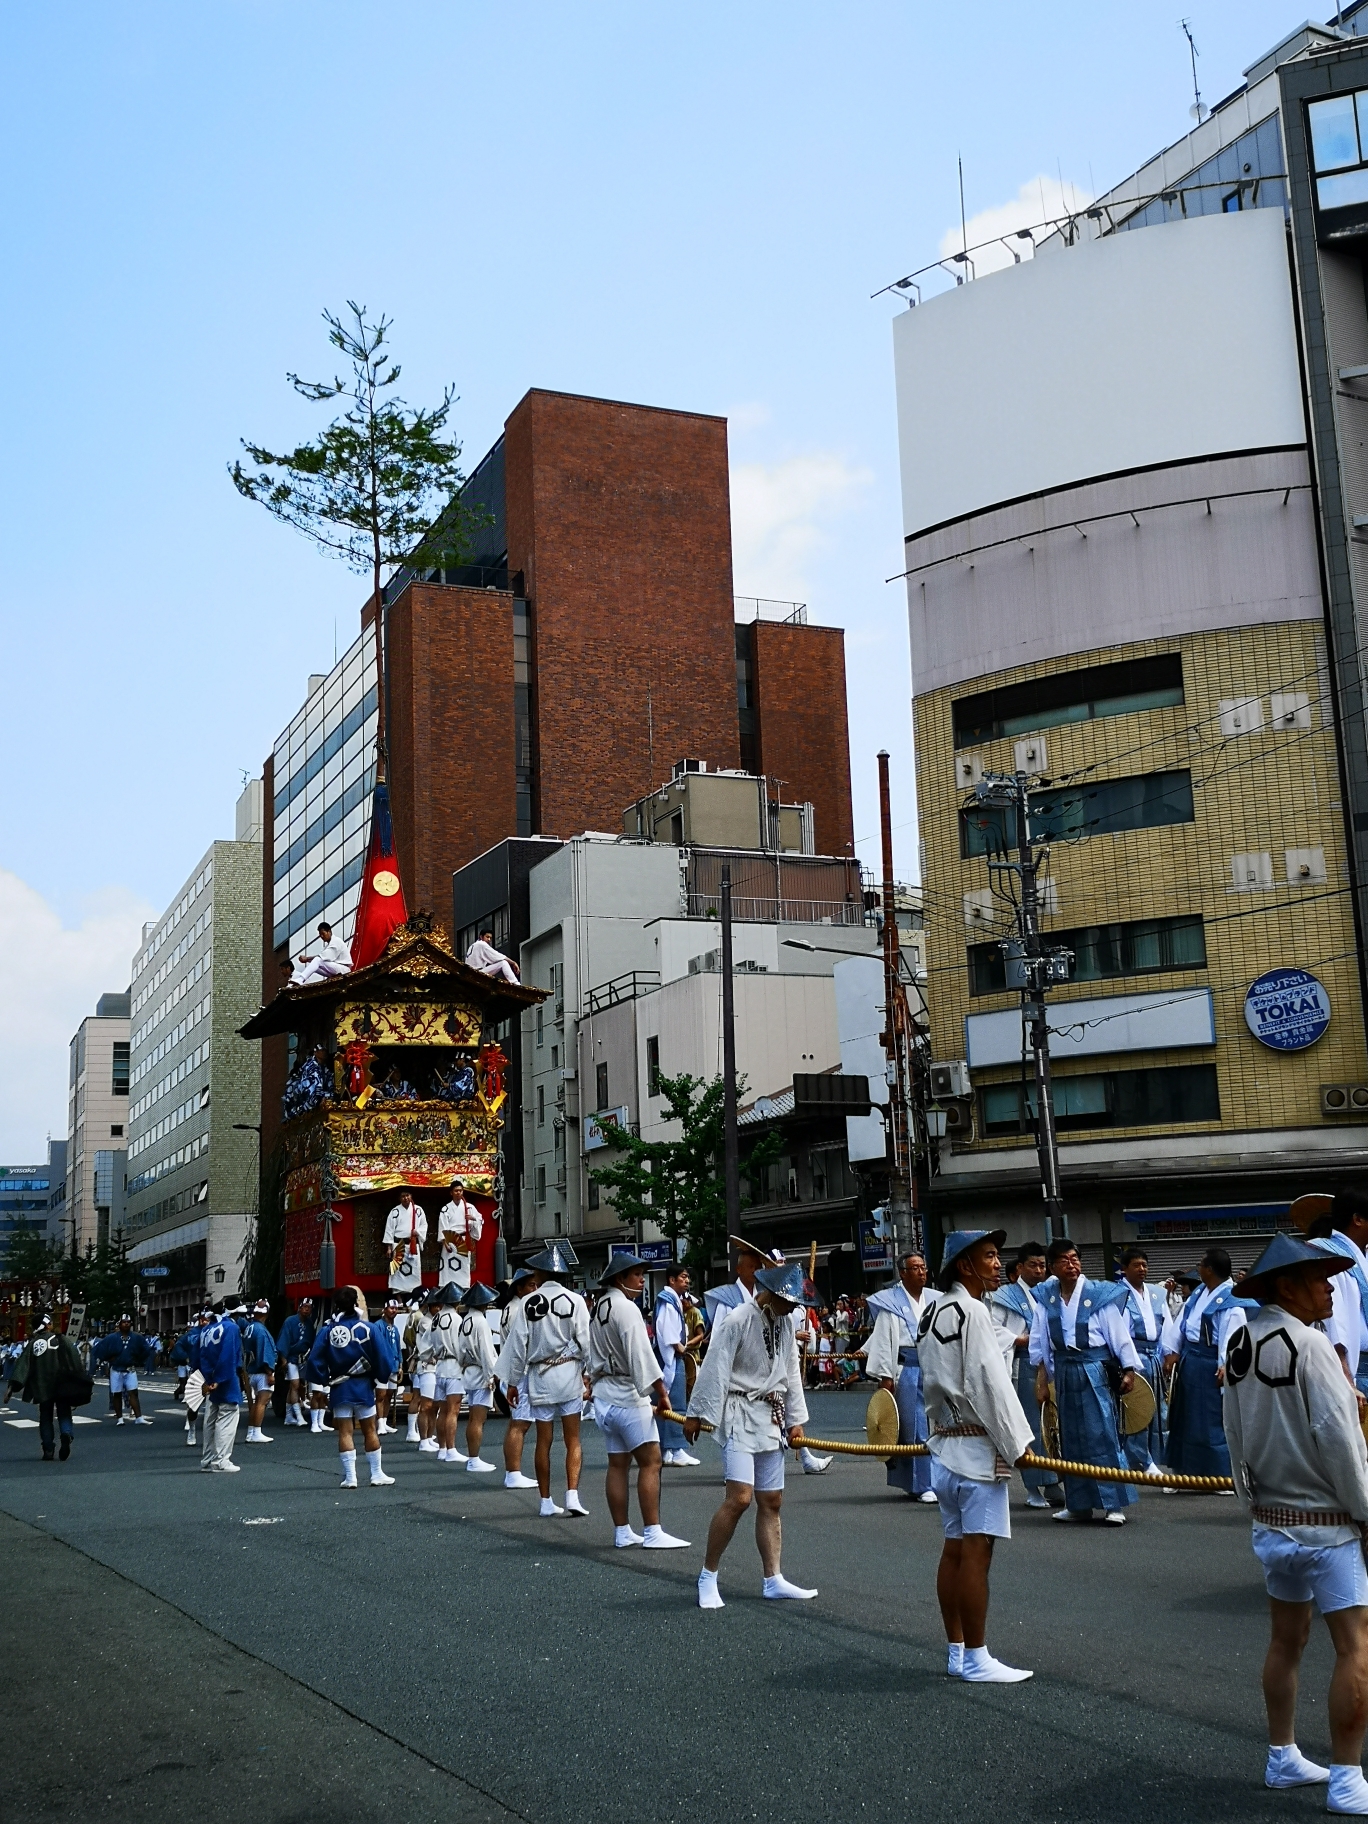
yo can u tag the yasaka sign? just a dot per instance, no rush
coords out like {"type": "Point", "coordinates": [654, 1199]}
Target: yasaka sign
{"type": "Point", "coordinates": [1287, 1009]}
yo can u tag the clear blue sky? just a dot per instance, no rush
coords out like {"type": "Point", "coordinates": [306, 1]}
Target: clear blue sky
{"type": "Point", "coordinates": [685, 206]}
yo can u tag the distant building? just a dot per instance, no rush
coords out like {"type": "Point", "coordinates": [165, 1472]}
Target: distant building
{"type": "Point", "coordinates": [624, 935]}
{"type": "Point", "coordinates": [97, 1123]}
{"type": "Point", "coordinates": [33, 1198]}
{"type": "Point", "coordinates": [192, 1165]}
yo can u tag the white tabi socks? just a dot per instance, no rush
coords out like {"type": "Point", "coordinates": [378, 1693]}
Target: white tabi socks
{"type": "Point", "coordinates": [514, 1478]}
{"type": "Point", "coordinates": [623, 1535]}
{"type": "Point", "coordinates": [549, 1509]}
{"type": "Point", "coordinates": [980, 1668]}
{"type": "Point", "coordinates": [377, 1475]}
{"type": "Point", "coordinates": [478, 1467]}
{"type": "Point", "coordinates": [1288, 1766]}
{"type": "Point", "coordinates": [1348, 1794]}
{"type": "Point", "coordinates": [954, 1659]}
{"type": "Point", "coordinates": [412, 1437]}
{"type": "Point", "coordinates": [656, 1539]}
{"type": "Point", "coordinates": [573, 1504]}
{"type": "Point", "coordinates": [347, 1458]}
{"type": "Point", "coordinates": [709, 1596]}
{"type": "Point", "coordinates": [316, 1418]}
{"type": "Point", "coordinates": [779, 1589]}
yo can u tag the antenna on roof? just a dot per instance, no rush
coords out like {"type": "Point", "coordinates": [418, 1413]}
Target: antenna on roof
{"type": "Point", "coordinates": [1199, 110]}
{"type": "Point", "coordinates": [964, 227]}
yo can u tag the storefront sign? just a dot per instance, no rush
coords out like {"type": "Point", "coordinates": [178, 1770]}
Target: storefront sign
{"type": "Point", "coordinates": [875, 1250]}
{"type": "Point", "coordinates": [154, 1272]}
{"type": "Point", "coordinates": [1287, 1009]}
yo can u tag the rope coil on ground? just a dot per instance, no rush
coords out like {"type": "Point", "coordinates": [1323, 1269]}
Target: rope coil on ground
{"type": "Point", "coordinates": [1089, 1472]}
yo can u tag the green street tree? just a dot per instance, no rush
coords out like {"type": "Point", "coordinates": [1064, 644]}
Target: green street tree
{"type": "Point", "coordinates": [678, 1184]}
{"type": "Point", "coordinates": [29, 1256]}
{"type": "Point", "coordinates": [377, 488]}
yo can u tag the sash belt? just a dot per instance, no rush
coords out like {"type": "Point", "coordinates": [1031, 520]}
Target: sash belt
{"type": "Point", "coordinates": [961, 1431]}
{"type": "Point", "coordinates": [1297, 1516]}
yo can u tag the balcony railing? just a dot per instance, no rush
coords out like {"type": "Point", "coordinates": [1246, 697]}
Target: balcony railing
{"type": "Point", "coordinates": [629, 987]}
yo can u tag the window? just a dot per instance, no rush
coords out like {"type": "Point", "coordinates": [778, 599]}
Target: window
{"type": "Point", "coordinates": [1101, 951]}
{"type": "Point", "coordinates": [555, 1057]}
{"type": "Point", "coordinates": [539, 1024]}
{"type": "Point", "coordinates": [1117, 1098]}
{"type": "Point", "coordinates": [116, 1133]}
{"type": "Point", "coordinates": [1069, 696]}
{"type": "Point", "coordinates": [541, 1184]}
{"type": "Point", "coordinates": [541, 1105]}
{"type": "Point", "coordinates": [119, 1083]}
{"type": "Point", "coordinates": [1094, 808]}
{"type": "Point", "coordinates": [601, 1084]}
{"type": "Point", "coordinates": [593, 1193]}
{"type": "Point", "coordinates": [653, 1065]}
{"type": "Point", "coordinates": [1339, 145]}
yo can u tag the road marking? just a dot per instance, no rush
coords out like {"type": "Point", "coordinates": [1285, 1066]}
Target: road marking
{"type": "Point", "coordinates": [22, 1424]}
{"type": "Point", "coordinates": [265, 1520]}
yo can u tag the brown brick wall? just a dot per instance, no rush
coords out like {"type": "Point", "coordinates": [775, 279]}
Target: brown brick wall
{"type": "Point", "coordinates": [802, 733]}
{"type": "Point", "coordinates": [451, 734]}
{"type": "Point", "coordinates": [619, 519]}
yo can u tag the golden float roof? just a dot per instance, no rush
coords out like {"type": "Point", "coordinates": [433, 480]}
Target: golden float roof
{"type": "Point", "coordinates": [418, 963]}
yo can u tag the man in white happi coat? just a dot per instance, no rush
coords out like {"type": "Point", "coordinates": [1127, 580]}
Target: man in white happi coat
{"type": "Point", "coordinates": [750, 1391]}
{"type": "Point", "coordinates": [479, 1367]}
{"type": "Point", "coordinates": [443, 1355]}
{"type": "Point", "coordinates": [459, 1226]}
{"type": "Point", "coordinates": [628, 1389]}
{"type": "Point", "coordinates": [330, 956]}
{"type": "Point", "coordinates": [1299, 1464]}
{"type": "Point", "coordinates": [545, 1358]}
{"type": "Point", "coordinates": [891, 1359]}
{"type": "Point", "coordinates": [978, 1432]}
{"type": "Point", "coordinates": [523, 1283]}
{"type": "Point", "coordinates": [750, 1258]}
{"type": "Point", "coordinates": [405, 1238]}
{"type": "Point", "coordinates": [483, 956]}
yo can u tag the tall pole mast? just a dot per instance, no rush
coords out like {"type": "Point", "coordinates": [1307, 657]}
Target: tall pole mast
{"type": "Point", "coordinates": [731, 1172]}
{"type": "Point", "coordinates": [896, 1038]}
{"type": "Point", "coordinates": [1036, 977]}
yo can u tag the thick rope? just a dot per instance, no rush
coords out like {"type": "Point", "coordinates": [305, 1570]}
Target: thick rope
{"type": "Point", "coordinates": [1088, 1472]}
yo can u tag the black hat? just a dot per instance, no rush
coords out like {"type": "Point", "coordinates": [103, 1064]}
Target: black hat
{"type": "Point", "coordinates": [557, 1257]}
{"type": "Point", "coordinates": [620, 1263]}
{"type": "Point", "coordinates": [477, 1295]}
{"type": "Point", "coordinates": [1288, 1254]}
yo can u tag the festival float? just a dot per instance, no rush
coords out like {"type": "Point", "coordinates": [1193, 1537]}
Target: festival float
{"type": "Point", "coordinates": [397, 1081]}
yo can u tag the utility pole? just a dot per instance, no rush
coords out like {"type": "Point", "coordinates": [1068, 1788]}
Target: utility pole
{"type": "Point", "coordinates": [896, 1039]}
{"type": "Point", "coordinates": [731, 1172]}
{"type": "Point", "coordinates": [1033, 969]}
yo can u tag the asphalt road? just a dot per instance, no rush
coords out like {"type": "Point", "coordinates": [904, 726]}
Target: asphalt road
{"type": "Point", "coordinates": [437, 1650]}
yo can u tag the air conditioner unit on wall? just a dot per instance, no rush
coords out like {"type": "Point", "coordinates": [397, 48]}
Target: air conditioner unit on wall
{"type": "Point", "coordinates": [959, 1118]}
{"type": "Point", "coordinates": [950, 1079]}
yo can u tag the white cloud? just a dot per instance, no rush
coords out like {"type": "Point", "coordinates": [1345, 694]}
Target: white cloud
{"type": "Point", "coordinates": [1040, 199]}
{"type": "Point", "coordinates": [50, 979]}
{"type": "Point", "coordinates": [781, 514]}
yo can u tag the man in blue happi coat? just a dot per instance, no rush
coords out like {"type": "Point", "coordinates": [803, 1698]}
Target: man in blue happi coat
{"type": "Point", "coordinates": [293, 1344]}
{"type": "Point", "coordinates": [126, 1351]}
{"type": "Point", "coordinates": [220, 1362]}
{"type": "Point", "coordinates": [1147, 1312]}
{"type": "Point", "coordinates": [1013, 1308]}
{"type": "Point", "coordinates": [1080, 1341]}
{"type": "Point", "coordinates": [259, 1360]}
{"type": "Point", "coordinates": [350, 1357]}
{"type": "Point", "coordinates": [891, 1359]}
{"type": "Point", "coordinates": [1195, 1342]}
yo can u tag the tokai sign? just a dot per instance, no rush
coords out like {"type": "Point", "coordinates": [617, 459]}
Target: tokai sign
{"type": "Point", "coordinates": [1287, 1009]}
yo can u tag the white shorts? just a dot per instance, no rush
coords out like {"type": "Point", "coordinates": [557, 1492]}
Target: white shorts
{"type": "Point", "coordinates": [353, 1412]}
{"type": "Point", "coordinates": [625, 1428]}
{"type": "Point", "coordinates": [1331, 1576]}
{"type": "Point", "coordinates": [292, 1372]}
{"type": "Point", "coordinates": [967, 1506]}
{"type": "Point", "coordinates": [449, 1386]}
{"type": "Point", "coordinates": [425, 1384]}
{"type": "Point", "coordinates": [763, 1470]}
{"type": "Point", "coordinates": [522, 1411]}
{"type": "Point", "coordinates": [259, 1382]}
{"type": "Point", "coordinates": [563, 1409]}
{"type": "Point", "coordinates": [482, 1396]}
{"type": "Point", "coordinates": [123, 1380]}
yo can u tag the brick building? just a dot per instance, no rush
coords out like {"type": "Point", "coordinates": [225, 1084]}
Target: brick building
{"type": "Point", "coordinates": [588, 643]}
